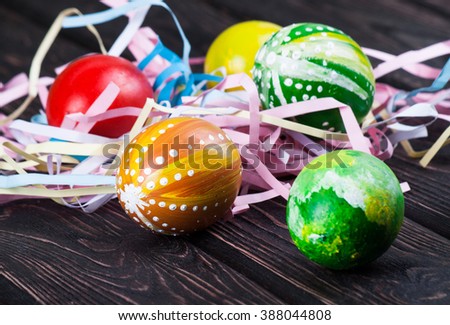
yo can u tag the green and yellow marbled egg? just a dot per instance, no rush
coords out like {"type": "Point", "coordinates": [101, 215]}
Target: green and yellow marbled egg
{"type": "Point", "coordinates": [307, 61]}
{"type": "Point", "coordinates": [345, 209]}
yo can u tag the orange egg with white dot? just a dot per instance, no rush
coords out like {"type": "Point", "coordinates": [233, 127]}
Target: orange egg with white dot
{"type": "Point", "coordinates": [179, 175]}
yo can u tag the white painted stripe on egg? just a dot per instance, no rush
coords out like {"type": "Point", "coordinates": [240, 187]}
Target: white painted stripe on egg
{"type": "Point", "coordinates": [277, 87]}
{"type": "Point", "coordinates": [315, 73]}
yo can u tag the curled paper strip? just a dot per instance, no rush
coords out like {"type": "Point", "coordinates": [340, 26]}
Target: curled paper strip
{"type": "Point", "coordinates": [78, 172]}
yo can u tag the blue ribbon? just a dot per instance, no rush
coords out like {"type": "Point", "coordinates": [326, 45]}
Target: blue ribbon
{"type": "Point", "coordinates": [156, 50]}
{"type": "Point", "coordinates": [77, 157]}
{"type": "Point", "coordinates": [186, 80]}
{"type": "Point", "coordinates": [13, 181]}
{"type": "Point", "coordinates": [437, 85]}
{"type": "Point", "coordinates": [39, 119]}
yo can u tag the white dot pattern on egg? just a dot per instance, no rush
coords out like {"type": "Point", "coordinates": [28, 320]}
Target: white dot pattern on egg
{"type": "Point", "coordinates": [172, 187]}
{"type": "Point", "coordinates": [307, 61]}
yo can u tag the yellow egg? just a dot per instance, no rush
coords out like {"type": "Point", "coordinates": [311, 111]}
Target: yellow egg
{"type": "Point", "coordinates": [235, 48]}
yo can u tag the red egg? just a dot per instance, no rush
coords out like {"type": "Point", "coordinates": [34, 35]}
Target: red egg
{"type": "Point", "coordinates": [83, 80]}
{"type": "Point", "coordinates": [179, 175]}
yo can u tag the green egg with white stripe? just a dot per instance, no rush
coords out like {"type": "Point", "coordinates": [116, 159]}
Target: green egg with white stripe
{"type": "Point", "coordinates": [306, 61]}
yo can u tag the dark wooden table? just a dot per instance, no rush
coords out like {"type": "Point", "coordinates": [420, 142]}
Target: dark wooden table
{"type": "Point", "coordinates": [51, 254]}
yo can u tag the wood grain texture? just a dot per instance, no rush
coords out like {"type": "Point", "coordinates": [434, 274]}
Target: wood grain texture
{"type": "Point", "coordinates": [402, 275]}
{"type": "Point", "coordinates": [20, 40]}
{"type": "Point", "coordinates": [426, 203]}
{"type": "Point", "coordinates": [391, 26]}
{"type": "Point", "coordinates": [200, 31]}
{"type": "Point", "coordinates": [54, 255]}
{"type": "Point", "coordinates": [61, 256]}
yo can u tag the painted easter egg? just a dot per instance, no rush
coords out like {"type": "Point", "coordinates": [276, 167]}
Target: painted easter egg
{"type": "Point", "coordinates": [345, 209]}
{"type": "Point", "coordinates": [307, 61]}
{"type": "Point", "coordinates": [82, 81]}
{"type": "Point", "coordinates": [179, 175]}
{"type": "Point", "coordinates": [235, 48]}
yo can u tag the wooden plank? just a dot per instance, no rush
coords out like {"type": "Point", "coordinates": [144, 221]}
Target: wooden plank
{"type": "Point", "coordinates": [11, 294]}
{"type": "Point", "coordinates": [413, 271]}
{"type": "Point", "coordinates": [54, 255]}
{"type": "Point", "coordinates": [390, 26]}
{"type": "Point", "coordinates": [398, 31]}
{"type": "Point", "coordinates": [386, 25]}
{"type": "Point", "coordinates": [21, 40]}
{"type": "Point", "coordinates": [200, 32]}
{"type": "Point", "coordinates": [18, 48]}
{"type": "Point", "coordinates": [44, 13]}
{"type": "Point", "coordinates": [439, 8]}
{"type": "Point", "coordinates": [426, 203]}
